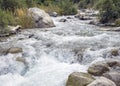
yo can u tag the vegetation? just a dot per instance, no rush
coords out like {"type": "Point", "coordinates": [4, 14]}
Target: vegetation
{"type": "Point", "coordinates": [13, 12]}
{"type": "Point", "coordinates": [109, 9]}
{"type": "Point", "coordinates": [117, 22]}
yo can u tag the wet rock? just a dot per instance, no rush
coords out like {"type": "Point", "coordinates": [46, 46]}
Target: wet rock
{"type": "Point", "coordinates": [53, 14]}
{"type": "Point", "coordinates": [31, 35]}
{"type": "Point", "coordinates": [115, 52]}
{"type": "Point", "coordinates": [5, 35]}
{"type": "Point", "coordinates": [41, 18]}
{"type": "Point", "coordinates": [79, 79]}
{"type": "Point", "coordinates": [21, 59]}
{"type": "Point", "coordinates": [84, 18]}
{"type": "Point", "coordinates": [62, 20]}
{"type": "Point", "coordinates": [102, 81]}
{"type": "Point", "coordinates": [14, 29]}
{"type": "Point", "coordinates": [14, 50]}
{"type": "Point", "coordinates": [98, 69]}
{"type": "Point", "coordinates": [114, 76]}
{"type": "Point", "coordinates": [113, 63]}
{"type": "Point", "coordinates": [94, 22]}
{"type": "Point", "coordinates": [69, 17]}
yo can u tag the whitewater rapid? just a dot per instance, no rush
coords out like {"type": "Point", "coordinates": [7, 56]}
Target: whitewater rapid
{"type": "Point", "coordinates": [53, 53]}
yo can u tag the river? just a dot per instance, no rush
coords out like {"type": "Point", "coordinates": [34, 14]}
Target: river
{"type": "Point", "coordinates": [52, 54]}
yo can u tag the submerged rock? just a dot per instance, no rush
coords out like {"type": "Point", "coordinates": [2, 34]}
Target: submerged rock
{"type": "Point", "coordinates": [115, 52]}
{"type": "Point", "coordinates": [14, 50]}
{"type": "Point", "coordinates": [79, 79]}
{"type": "Point", "coordinates": [98, 69]}
{"type": "Point", "coordinates": [102, 81]}
{"type": "Point", "coordinates": [21, 59]}
{"type": "Point", "coordinates": [62, 20]}
{"type": "Point", "coordinates": [41, 18]}
{"type": "Point", "coordinates": [114, 76]}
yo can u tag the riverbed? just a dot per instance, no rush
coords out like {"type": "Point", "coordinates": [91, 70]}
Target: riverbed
{"type": "Point", "coordinates": [51, 54]}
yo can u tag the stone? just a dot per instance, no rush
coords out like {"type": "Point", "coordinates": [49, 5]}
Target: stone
{"type": "Point", "coordinates": [112, 63]}
{"type": "Point", "coordinates": [14, 50]}
{"type": "Point", "coordinates": [62, 20]}
{"type": "Point", "coordinates": [69, 17]}
{"type": "Point", "coordinates": [115, 52]}
{"type": "Point", "coordinates": [21, 59]}
{"type": "Point", "coordinates": [14, 29]}
{"type": "Point", "coordinates": [98, 69]}
{"type": "Point", "coordinates": [102, 81]}
{"type": "Point", "coordinates": [41, 18]}
{"type": "Point", "coordinates": [114, 76]}
{"type": "Point", "coordinates": [53, 14]}
{"type": "Point", "coordinates": [79, 79]}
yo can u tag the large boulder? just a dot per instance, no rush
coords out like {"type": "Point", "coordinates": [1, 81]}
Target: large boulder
{"type": "Point", "coordinates": [114, 76]}
{"type": "Point", "coordinates": [98, 69]}
{"type": "Point", "coordinates": [14, 50]}
{"type": "Point", "coordinates": [102, 81]}
{"type": "Point", "coordinates": [79, 79]}
{"type": "Point", "coordinates": [41, 18]}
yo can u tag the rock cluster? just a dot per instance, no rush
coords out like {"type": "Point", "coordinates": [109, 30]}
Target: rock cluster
{"type": "Point", "coordinates": [99, 74]}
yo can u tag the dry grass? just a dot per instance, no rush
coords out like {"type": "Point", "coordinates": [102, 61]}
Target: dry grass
{"type": "Point", "coordinates": [23, 19]}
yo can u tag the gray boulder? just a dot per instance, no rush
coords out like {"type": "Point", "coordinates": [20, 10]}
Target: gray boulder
{"type": "Point", "coordinates": [102, 81]}
{"type": "Point", "coordinates": [14, 50]}
{"type": "Point", "coordinates": [114, 76]}
{"type": "Point", "coordinates": [41, 18]}
{"type": "Point", "coordinates": [79, 79]}
{"type": "Point", "coordinates": [98, 69]}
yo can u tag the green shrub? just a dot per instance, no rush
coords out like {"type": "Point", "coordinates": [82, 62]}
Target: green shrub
{"type": "Point", "coordinates": [108, 12]}
{"type": "Point", "coordinates": [68, 8]}
{"type": "Point", "coordinates": [6, 18]}
{"type": "Point", "coordinates": [117, 22]}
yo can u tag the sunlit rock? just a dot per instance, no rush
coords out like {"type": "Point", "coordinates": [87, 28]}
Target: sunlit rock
{"type": "Point", "coordinates": [114, 76]}
{"type": "Point", "coordinates": [14, 50]}
{"type": "Point", "coordinates": [79, 79]}
{"type": "Point", "coordinates": [41, 18]}
{"type": "Point", "coordinates": [98, 69]}
{"type": "Point", "coordinates": [102, 81]}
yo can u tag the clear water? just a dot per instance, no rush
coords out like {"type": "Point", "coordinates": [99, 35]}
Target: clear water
{"type": "Point", "coordinates": [52, 54]}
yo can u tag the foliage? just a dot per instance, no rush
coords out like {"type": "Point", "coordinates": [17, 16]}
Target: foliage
{"type": "Point", "coordinates": [23, 19]}
{"type": "Point", "coordinates": [51, 8]}
{"type": "Point", "coordinates": [108, 12]}
{"type": "Point", "coordinates": [117, 22]}
{"type": "Point", "coordinates": [67, 7]}
{"type": "Point", "coordinates": [6, 18]}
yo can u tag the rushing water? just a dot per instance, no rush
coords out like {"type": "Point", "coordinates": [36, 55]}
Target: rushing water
{"type": "Point", "coordinates": [52, 54]}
